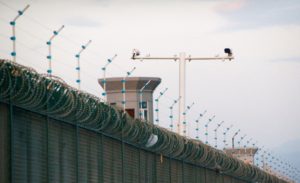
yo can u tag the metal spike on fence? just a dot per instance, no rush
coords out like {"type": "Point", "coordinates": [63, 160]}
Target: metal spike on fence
{"type": "Point", "coordinates": [198, 125]}
{"type": "Point", "coordinates": [216, 133]}
{"type": "Point", "coordinates": [184, 123]}
{"type": "Point", "coordinates": [49, 56]}
{"type": "Point", "coordinates": [233, 137]}
{"type": "Point", "coordinates": [171, 112]}
{"type": "Point", "coordinates": [109, 61]}
{"type": "Point", "coordinates": [206, 128]}
{"type": "Point", "coordinates": [247, 143]}
{"type": "Point", "coordinates": [241, 139]}
{"type": "Point", "coordinates": [83, 47]}
{"type": "Point", "coordinates": [254, 143]}
{"type": "Point", "coordinates": [224, 135]}
{"type": "Point", "coordinates": [157, 106]}
{"type": "Point", "coordinates": [123, 91]}
{"type": "Point", "coordinates": [13, 37]}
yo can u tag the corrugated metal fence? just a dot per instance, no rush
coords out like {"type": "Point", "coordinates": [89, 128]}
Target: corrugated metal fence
{"type": "Point", "coordinates": [51, 132]}
{"type": "Point", "coordinates": [35, 148]}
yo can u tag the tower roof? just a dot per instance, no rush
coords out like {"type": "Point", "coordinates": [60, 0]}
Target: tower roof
{"type": "Point", "coordinates": [132, 83]}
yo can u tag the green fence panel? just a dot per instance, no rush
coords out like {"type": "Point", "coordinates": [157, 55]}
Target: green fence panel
{"type": "Point", "coordinates": [189, 173]}
{"type": "Point", "coordinates": [62, 152]}
{"type": "Point", "coordinates": [211, 176]}
{"type": "Point", "coordinates": [162, 169]}
{"type": "Point", "coordinates": [131, 164]}
{"type": "Point", "coordinates": [112, 160]}
{"type": "Point", "coordinates": [147, 165]}
{"type": "Point", "coordinates": [227, 179]}
{"type": "Point", "coordinates": [30, 147]}
{"type": "Point", "coordinates": [176, 171]}
{"type": "Point", "coordinates": [200, 175]}
{"type": "Point", "coordinates": [88, 157]}
{"type": "Point", "coordinates": [4, 143]}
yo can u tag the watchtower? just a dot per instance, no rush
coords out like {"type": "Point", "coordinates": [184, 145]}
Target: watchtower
{"type": "Point", "coordinates": [133, 96]}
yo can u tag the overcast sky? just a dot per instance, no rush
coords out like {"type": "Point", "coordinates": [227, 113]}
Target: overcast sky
{"type": "Point", "coordinates": [258, 92]}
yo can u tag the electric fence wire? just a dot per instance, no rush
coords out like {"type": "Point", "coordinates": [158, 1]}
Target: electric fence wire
{"type": "Point", "coordinates": [62, 49]}
{"type": "Point", "coordinates": [65, 65]}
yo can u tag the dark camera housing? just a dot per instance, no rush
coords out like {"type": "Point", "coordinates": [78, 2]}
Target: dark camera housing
{"type": "Point", "coordinates": [228, 51]}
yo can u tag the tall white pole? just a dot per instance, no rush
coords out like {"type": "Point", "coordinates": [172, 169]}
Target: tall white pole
{"type": "Point", "coordinates": [182, 62]}
{"type": "Point", "coordinates": [182, 117]}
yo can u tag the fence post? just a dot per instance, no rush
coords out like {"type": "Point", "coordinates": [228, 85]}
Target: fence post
{"type": "Point", "coordinates": [77, 148]}
{"type": "Point", "coordinates": [11, 121]}
{"type": "Point", "coordinates": [182, 170]}
{"type": "Point", "coordinates": [139, 171]}
{"type": "Point", "coordinates": [47, 137]}
{"type": "Point", "coordinates": [100, 161]}
{"type": "Point", "coordinates": [170, 169]}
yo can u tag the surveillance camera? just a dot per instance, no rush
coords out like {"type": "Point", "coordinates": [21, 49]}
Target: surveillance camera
{"type": "Point", "coordinates": [136, 52]}
{"type": "Point", "coordinates": [228, 51]}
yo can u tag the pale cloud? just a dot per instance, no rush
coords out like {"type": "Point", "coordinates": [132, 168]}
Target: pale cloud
{"type": "Point", "coordinates": [256, 14]}
{"type": "Point", "coordinates": [288, 59]}
{"type": "Point", "coordinates": [230, 6]}
{"type": "Point", "coordinates": [82, 22]}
